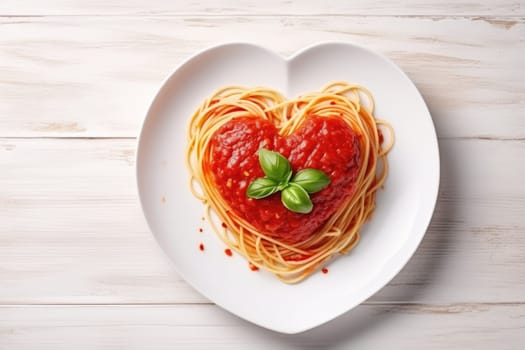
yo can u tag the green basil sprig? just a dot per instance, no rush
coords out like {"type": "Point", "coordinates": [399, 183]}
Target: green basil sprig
{"type": "Point", "coordinates": [274, 165]}
{"type": "Point", "coordinates": [278, 177]}
{"type": "Point", "coordinates": [262, 187]}
{"type": "Point", "coordinates": [295, 198]}
{"type": "Point", "coordinates": [312, 180]}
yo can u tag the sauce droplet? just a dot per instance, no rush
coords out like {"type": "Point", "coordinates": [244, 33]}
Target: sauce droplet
{"type": "Point", "coordinates": [324, 270]}
{"type": "Point", "coordinates": [201, 247]}
{"type": "Point", "coordinates": [201, 230]}
{"type": "Point", "coordinates": [332, 103]}
{"type": "Point", "coordinates": [228, 252]}
{"type": "Point", "coordinates": [224, 225]}
{"type": "Point", "coordinates": [253, 267]}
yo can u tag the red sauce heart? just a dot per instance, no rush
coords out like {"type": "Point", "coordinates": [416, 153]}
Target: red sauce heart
{"type": "Point", "coordinates": [324, 143]}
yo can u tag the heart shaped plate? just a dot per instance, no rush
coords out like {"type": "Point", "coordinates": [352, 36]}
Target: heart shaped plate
{"type": "Point", "coordinates": [388, 240]}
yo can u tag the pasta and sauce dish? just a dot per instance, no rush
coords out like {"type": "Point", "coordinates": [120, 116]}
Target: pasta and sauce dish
{"type": "Point", "coordinates": [291, 181]}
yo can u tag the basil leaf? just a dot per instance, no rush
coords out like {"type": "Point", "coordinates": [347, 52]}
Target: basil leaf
{"type": "Point", "coordinates": [312, 180]}
{"type": "Point", "coordinates": [295, 198]}
{"type": "Point", "coordinates": [284, 182]}
{"type": "Point", "coordinates": [274, 165]}
{"type": "Point", "coordinates": [262, 187]}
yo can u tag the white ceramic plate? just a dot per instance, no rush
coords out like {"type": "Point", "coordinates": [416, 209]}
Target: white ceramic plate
{"type": "Point", "coordinates": [403, 211]}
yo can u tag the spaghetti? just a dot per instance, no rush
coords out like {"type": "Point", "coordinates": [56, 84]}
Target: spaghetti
{"type": "Point", "coordinates": [289, 259]}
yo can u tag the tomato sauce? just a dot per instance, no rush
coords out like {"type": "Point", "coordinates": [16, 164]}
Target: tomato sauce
{"type": "Point", "coordinates": [324, 143]}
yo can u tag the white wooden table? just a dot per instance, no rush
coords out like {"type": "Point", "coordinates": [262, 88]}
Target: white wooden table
{"type": "Point", "coordinates": [78, 266]}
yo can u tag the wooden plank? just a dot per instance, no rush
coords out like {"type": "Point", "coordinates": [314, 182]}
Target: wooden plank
{"type": "Point", "coordinates": [95, 76]}
{"type": "Point", "coordinates": [206, 326]}
{"type": "Point", "coordinates": [72, 230]}
{"type": "Point", "coordinates": [270, 7]}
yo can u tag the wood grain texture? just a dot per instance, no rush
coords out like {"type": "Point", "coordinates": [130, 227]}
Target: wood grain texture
{"type": "Point", "coordinates": [269, 7]}
{"type": "Point", "coordinates": [72, 230]}
{"type": "Point", "coordinates": [94, 76]}
{"type": "Point", "coordinates": [469, 326]}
